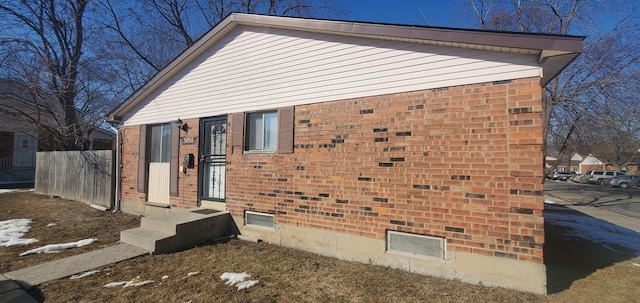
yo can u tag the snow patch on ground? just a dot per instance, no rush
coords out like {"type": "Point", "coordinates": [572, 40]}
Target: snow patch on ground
{"type": "Point", "coordinates": [130, 283]}
{"type": "Point", "coordinates": [51, 224]}
{"type": "Point", "coordinates": [238, 279]}
{"type": "Point", "coordinates": [54, 248]}
{"type": "Point", "coordinates": [246, 284]}
{"type": "Point", "coordinates": [12, 231]}
{"type": "Point", "coordinates": [193, 273]}
{"type": "Point", "coordinates": [4, 191]}
{"type": "Point", "coordinates": [83, 275]}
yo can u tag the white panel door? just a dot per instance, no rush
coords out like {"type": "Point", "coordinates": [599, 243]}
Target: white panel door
{"type": "Point", "coordinates": [159, 182]}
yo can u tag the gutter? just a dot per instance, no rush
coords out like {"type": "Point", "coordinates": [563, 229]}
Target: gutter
{"type": "Point", "coordinates": [116, 202]}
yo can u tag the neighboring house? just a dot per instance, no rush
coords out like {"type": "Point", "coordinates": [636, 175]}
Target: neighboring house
{"type": "Point", "coordinates": [591, 163]}
{"type": "Point", "coordinates": [412, 147]}
{"type": "Point", "coordinates": [550, 163]}
{"type": "Point", "coordinates": [18, 143]}
{"type": "Point", "coordinates": [22, 120]}
{"type": "Point", "coordinates": [580, 165]}
{"type": "Point", "coordinates": [571, 165]}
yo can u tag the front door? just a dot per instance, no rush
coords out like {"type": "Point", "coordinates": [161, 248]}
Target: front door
{"type": "Point", "coordinates": [159, 166]}
{"type": "Point", "coordinates": [213, 146]}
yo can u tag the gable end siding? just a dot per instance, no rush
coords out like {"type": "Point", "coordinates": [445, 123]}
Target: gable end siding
{"type": "Point", "coordinates": [258, 69]}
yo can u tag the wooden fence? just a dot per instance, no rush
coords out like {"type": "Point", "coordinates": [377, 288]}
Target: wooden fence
{"type": "Point", "coordinates": [85, 176]}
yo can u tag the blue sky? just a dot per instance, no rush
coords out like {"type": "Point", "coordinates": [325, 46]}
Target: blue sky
{"type": "Point", "coordinates": [415, 12]}
{"type": "Point", "coordinates": [449, 13]}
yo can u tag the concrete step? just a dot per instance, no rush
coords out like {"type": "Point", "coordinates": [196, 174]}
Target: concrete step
{"type": "Point", "coordinates": [151, 240]}
{"type": "Point", "coordinates": [177, 230]}
{"type": "Point", "coordinates": [167, 222]}
{"type": "Point", "coordinates": [161, 224]}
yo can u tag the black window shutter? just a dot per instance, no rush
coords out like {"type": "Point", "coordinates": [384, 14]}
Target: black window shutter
{"type": "Point", "coordinates": [285, 130]}
{"type": "Point", "coordinates": [142, 160]}
{"type": "Point", "coordinates": [174, 159]}
{"type": "Point", "coordinates": [237, 130]}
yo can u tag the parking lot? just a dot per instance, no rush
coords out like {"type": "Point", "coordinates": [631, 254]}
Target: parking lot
{"type": "Point", "coordinates": [622, 201]}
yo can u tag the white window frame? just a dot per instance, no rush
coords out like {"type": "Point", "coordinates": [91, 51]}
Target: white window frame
{"type": "Point", "coordinates": [157, 154]}
{"type": "Point", "coordinates": [257, 132]}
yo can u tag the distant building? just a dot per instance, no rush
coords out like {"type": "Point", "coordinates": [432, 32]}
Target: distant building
{"type": "Point", "coordinates": [24, 120]}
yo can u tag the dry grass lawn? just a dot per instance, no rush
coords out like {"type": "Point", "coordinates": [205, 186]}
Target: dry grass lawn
{"type": "Point", "coordinates": [73, 221]}
{"type": "Point", "coordinates": [578, 271]}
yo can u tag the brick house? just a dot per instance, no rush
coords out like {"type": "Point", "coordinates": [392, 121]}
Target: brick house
{"type": "Point", "coordinates": [412, 147]}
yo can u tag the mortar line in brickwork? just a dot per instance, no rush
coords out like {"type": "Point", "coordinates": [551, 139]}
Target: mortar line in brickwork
{"type": "Point", "coordinates": [509, 130]}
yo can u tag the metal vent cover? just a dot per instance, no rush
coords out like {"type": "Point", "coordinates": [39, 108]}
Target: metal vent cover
{"type": "Point", "coordinates": [259, 219]}
{"type": "Point", "coordinates": [415, 244]}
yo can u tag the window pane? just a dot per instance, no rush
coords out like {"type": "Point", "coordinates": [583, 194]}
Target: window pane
{"type": "Point", "coordinates": [156, 143]}
{"type": "Point", "coordinates": [270, 130]}
{"type": "Point", "coordinates": [160, 143]}
{"type": "Point", "coordinates": [255, 131]}
{"type": "Point", "coordinates": [166, 143]}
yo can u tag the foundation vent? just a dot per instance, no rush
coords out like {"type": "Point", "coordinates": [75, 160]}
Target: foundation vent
{"type": "Point", "coordinates": [406, 243]}
{"type": "Point", "coordinates": [259, 219]}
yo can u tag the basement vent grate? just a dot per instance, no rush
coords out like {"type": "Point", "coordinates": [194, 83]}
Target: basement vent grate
{"type": "Point", "coordinates": [259, 219]}
{"type": "Point", "coordinates": [415, 244]}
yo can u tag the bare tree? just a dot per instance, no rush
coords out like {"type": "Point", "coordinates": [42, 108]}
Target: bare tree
{"type": "Point", "coordinates": [44, 48]}
{"type": "Point", "coordinates": [573, 101]}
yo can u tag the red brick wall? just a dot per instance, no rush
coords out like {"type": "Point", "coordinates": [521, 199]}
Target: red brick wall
{"type": "Point", "coordinates": [129, 139]}
{"type": "Point", "coordinates": [464, 163]}
{"type": "Point", "coordinates": [187, 182]}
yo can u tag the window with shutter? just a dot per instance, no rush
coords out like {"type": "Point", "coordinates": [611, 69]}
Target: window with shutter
{"type": "Point", "coordinates": [269, 131]}
{"type": "Point", "coordinates": [262, 131]}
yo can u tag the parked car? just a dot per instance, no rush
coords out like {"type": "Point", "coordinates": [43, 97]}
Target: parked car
{"type": "Point", "coordinates": [561, 175]}
{"type": "Point", "coordinates": [598, 176]}
{"type": "Point", "coordinates": [624, 181]}
{"type": "Point", "coordinates": [581, 178]}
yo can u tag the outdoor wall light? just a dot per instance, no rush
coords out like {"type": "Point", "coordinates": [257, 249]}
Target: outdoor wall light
{"type": "Point", "coordinates": [180, 125]}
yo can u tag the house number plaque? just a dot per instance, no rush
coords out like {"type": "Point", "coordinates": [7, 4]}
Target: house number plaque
{"type": "Point", "coordinates": [189, 140]}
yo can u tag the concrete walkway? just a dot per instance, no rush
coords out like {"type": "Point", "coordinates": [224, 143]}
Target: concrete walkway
{"type": "Point", "coordinates": [14, 290]}
{"type": "Point", "coordinates": [611, 217]}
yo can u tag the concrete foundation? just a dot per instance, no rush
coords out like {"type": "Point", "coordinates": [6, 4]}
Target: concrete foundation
{"type": "Point", "coordinates": [466, 267]}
